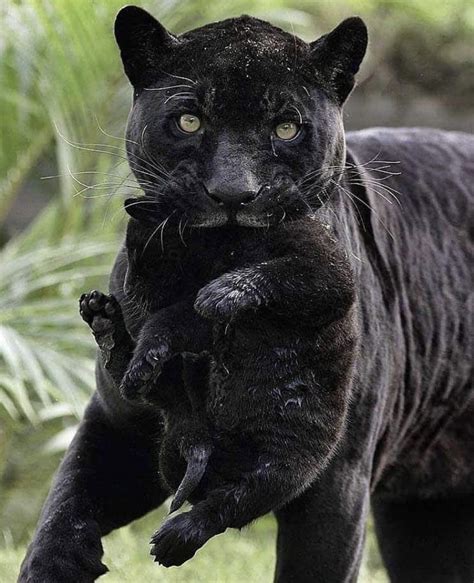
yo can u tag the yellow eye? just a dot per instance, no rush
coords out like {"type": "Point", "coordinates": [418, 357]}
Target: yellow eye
{"type": "Point", "coordinates": [189, 123]}
{"type": "Point", "coordinates": [287, 130]}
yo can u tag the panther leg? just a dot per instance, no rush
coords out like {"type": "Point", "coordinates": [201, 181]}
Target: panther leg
{"type": "Point", "coordinates": [108, 478]}
{"type": "Point", "coordinates": [321, 532]}
{"type": "Point", "coordinates": [170, 332]}
{"type": "Point", "coordinates": [427, 540]}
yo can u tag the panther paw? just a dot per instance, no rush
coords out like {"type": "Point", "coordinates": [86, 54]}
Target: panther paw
{"type": "Point", "coordinates": [60, 555]}
{"type": "Point", "coordinates": [144, 368]}
{"type": "Point", "coordinates": [179, 538]}
{"type": "Point", "coordinates": [227, 296]}
{"type": "Point", "coordinates": [103, 314]}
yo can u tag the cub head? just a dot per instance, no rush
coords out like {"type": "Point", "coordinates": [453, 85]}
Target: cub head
{"type": "Point", "coordinates": [238, 121]}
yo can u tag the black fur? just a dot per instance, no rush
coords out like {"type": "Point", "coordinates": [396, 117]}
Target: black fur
{"type": "Point", "coordinates": [403, 424]}
{"type": "Point", "coordinates": [263, 389]}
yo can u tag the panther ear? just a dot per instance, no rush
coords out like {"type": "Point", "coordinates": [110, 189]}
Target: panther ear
{"type": "Point", "coordinates": [337, 55]}
{"type": "Point", "coordinates": [143, 209]}
{"type": "Point", "coordinates": [142, 41]}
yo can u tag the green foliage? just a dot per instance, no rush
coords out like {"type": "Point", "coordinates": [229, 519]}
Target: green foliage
{"type": "Point", "coordinates": [43, 345]}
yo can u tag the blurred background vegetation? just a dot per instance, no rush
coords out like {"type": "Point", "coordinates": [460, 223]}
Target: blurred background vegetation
{"type": "Point", "coordinates": [63, 107]}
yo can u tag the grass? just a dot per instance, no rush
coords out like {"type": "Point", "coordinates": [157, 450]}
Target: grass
{"type": "Point", "coordinates": [232, 557]}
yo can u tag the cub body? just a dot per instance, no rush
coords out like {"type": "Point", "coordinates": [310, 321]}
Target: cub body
{"type": "Point", "coordinates": [262, 402]}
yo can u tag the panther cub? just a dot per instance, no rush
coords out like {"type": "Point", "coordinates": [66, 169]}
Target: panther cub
{"type": "Point", "coordinates": [254, 421]}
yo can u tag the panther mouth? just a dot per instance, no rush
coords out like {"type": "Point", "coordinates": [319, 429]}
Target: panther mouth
{"type": "Point", "coordinates": [202, 210]}
{"type": "Point", "coordinates": [229, 221]}
{"type": "Point", "coordinates": [244, 218]}
{"type": "Point", "coordinates": [263, 209]}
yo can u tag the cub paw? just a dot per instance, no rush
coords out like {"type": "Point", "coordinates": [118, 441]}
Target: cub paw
{"type": "Point", "coordinates": [144, 368]}
{"type": "Point", "coordinates": [103, 314]}
{"type": "Point", "coordinates": [178, 539]}
{"type": "Point", "coordinates": [98, 310]}
{"type": "Point", "coordinates": [225, 297]}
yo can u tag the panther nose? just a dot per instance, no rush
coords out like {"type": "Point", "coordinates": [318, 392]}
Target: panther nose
{"type": "Point", "coordinates": [232, 198]}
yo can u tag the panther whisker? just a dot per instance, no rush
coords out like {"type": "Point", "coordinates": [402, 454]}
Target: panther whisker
{"type": "Point", "coordinates": [160, 226]}
{"type": "Point", "coordinates": [375, 184]}
{"type": "Point", "coordinates": [273, 146]}
{"type": "Point", "coordinates": [138, 202]}
{"type": "Point", "coordinates": [133, 165]}
{"type": "Point", "coordinates": [187, 95]}
{"type": "Point", "coordinates": [298, 112]}
{"type": "Point", "coordinates": [165, 88]}
{"type": "Point", "coordinates": [181, 229]}
{"type": "Point", "coordinates": [319, 172]}
{"type": "Point", "coordinates": [163, 232]}
{"type": "Point", "coordinates": [102, 186]}
{"type": "Point", "coordinates": [154, 163]}
{"type": "Point", "coordinates": [361, 183]}
{"type": "Point", "coordinates": [123, 181]}
{"type": "Point", "coordinates": [180, 77]}
{"type": "Point", "coordinates": [352, 196]}
{"type": "Point", "coordinates": [284, 214]}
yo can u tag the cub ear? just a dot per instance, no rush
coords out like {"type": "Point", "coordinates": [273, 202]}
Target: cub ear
{"type": "Point", "coordinates": [337, 55]}
{"type": "Point", "coordinates": [142, 41]}
{"type": "Point", "coordinates": [143, 209]}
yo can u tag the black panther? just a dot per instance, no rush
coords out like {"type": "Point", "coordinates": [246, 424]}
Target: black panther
{"type": "Point", "coordinates": [239, 125]}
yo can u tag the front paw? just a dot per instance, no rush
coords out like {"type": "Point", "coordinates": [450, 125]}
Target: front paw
{"type": "Point", "coordinates": [103, 314]}
{"type": "Point", "coordinates": [227, 296]}
{"type": "Point", "coordinates": [57, 557]}
{"type": "Point", "coordinates": [179, 538]}
{"type": "Point", "coordinates": [145, 367]}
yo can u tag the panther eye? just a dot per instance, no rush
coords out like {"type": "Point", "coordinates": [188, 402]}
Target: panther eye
{"type": "Point", "coordinates": [287, 130]}
{"type": "Point", "coordinates": [189, 123]}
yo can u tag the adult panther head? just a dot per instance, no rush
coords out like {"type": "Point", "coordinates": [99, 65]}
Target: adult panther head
{"type": "Point", "coordinates": [237, 121]}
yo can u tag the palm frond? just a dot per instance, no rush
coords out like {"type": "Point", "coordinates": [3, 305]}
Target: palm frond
{"type": "Point", "coordinates": [46, 351]}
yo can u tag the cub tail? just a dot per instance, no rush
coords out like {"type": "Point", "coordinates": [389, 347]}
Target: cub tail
{"type": "Point", "coordinates": [197, 457]}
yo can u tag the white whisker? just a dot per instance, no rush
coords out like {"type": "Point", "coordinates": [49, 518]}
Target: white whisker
{"type": "Point", "coordinates": [180, 77]}
{"type": "Point", "coordinates": [169, 87]}
{"type": "Point", "coordinates": [187, 95]}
